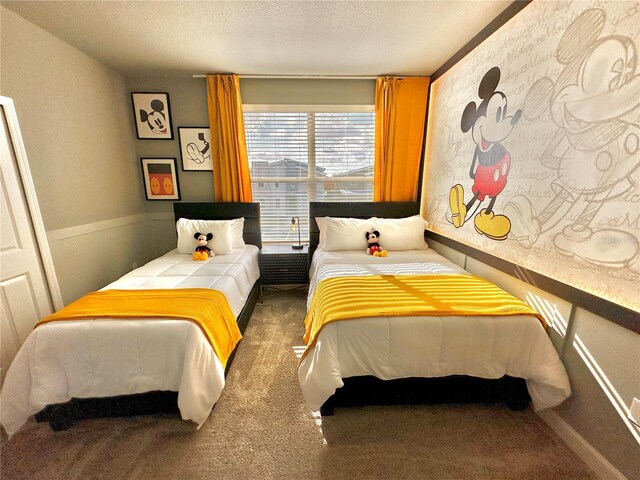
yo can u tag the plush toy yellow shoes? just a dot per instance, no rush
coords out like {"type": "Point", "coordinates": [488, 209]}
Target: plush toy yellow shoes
{"type": "Point", "coordinates": [381, 253]}
{"type": "Point", "coordinates": [200, 256]}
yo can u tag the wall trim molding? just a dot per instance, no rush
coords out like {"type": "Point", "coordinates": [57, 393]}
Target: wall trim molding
{"type": "Point", "coordinates": [91, 228]}
{"type": "Point", "coordinates": [583, 449]}
{"type": "Point", "coordinates": [159, 216]}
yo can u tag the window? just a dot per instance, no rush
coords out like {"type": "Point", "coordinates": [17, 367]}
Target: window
{"type": "Point", "coordinates": [304, 155]}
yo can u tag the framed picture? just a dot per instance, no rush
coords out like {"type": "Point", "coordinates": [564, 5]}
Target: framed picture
{"type": "Point", "coordinates": [160, 178]}
{"type": "Point", "coordinates": [195, 148]}
{"type": "Point", "coordinates": [152, 115]}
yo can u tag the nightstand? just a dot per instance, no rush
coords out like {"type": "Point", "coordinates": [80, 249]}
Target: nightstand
{"type": "Point", "coordinates": [282, 265]}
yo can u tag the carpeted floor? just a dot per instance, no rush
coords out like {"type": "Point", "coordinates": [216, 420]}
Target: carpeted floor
{"type": "Point", "coordinates": [262, 429]}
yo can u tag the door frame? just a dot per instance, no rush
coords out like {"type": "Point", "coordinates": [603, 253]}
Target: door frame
{"type": "Point", "coordinates": [32, 201]}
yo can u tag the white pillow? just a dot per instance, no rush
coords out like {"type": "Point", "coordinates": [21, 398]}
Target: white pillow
{"type": "Point", "coordinates": [237, 230]}
{"type": "Point", "coordinates": [401, 233]}
{"type": "Point", "coordinates": [323, 231]}
{"type": "Point", "coordinates": [338, 233]}
{"type": "Point", "coordinates": [227, 234]}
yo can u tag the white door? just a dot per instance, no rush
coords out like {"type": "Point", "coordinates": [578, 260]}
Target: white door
{"type": "Point", "coordinates": [25, 291]}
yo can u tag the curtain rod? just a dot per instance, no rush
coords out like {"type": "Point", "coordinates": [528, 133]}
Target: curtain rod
{"type": "Point", "coordinates": [311, 77]}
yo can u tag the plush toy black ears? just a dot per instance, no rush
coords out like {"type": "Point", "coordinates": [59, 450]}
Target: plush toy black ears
{"type": "Point", "coordinates": [375, 232]}
{"type": "Point", "coordinates": [197, 236]}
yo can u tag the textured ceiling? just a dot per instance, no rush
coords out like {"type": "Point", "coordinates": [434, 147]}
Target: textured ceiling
{"type": "Point", "coordinates": [177, 38]}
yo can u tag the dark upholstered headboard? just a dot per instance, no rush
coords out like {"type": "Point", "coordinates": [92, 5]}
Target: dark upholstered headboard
{"type": "Point", "coordinates": [355, 210]}
{"type": "Point", "coordinates": [225, 211]}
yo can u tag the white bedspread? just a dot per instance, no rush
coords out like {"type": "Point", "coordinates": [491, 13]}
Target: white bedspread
{"type": "Point", "coordinates": [400, 347]}
{"type": "Point", "coordinates": [103, 358]}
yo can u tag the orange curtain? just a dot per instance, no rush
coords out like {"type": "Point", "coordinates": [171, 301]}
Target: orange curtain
{"type": "Point", "coordinates": [401, 105]}
{"type": "Point", "coordinates": [231, 179]}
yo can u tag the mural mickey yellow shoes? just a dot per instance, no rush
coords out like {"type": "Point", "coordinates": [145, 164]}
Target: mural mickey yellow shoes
{"type": "Point", "coordinates": [495, 227]}
{"type": "Point", "coordinates": [457, 206]}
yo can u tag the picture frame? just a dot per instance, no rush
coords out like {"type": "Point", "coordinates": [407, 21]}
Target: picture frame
{"type": "Point", "coordinates": [152, 115]}
{"type": "Point", "coordinates": [160, 178]}
{"type": "Point", "coordinates": [195, 148]}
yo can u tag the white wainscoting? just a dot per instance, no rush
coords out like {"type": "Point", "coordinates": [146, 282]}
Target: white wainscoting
{"type": "Point", "coordinates": [163, 226]}
{"type": "Point", "coordinates": [92, 228]}
{"type": "Point", "coordinates": [89, 256]}
{"type": "Point", "coordinates": [159, 228]}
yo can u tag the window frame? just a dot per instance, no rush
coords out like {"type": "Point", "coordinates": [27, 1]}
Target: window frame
{"type": "Point", "coordinates": [311, 180]}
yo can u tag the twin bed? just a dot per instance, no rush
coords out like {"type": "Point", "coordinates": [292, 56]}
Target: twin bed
{"type": "Point", "coordinates": [101, 367]}
{"type": "Point", "coordinates": [413, 358]}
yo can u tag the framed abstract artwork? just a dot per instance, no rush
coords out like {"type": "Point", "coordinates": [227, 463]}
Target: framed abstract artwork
{"type": "Point", "coordinates": [152, 115]}
{"type": "Point", "coordinates": [160, 178]}
{"type": "Point", "coordinates": [195, 148]}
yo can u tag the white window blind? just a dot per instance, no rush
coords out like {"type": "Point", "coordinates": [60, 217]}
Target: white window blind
{"type": "Point", "coordinates": [300, 156]}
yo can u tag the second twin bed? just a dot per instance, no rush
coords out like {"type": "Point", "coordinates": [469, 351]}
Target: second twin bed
{"type": "Point", "coordinates": [486, 334]}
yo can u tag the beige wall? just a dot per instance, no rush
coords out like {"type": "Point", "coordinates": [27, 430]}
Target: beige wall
{"type": "Point", "coordinates": [307, 91]}
{"type": "Point", "coordinates": [603, 363]}
{"type": "Point", "coordinates": [75, 121]}
{"type": "Point", "coordinates": [188, 103]}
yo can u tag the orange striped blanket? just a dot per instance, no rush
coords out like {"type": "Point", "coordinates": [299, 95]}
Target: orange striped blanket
{"type": "Point", "coordinates": [206, 308]}
{"type": "Point", "coordinates": [343, 298]}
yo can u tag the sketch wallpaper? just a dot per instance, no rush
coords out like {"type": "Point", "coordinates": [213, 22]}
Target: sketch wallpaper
{"type": "Point", "coordinates": [533, 146]}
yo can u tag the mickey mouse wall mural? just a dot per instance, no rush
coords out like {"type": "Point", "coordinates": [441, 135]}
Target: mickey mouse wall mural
{"type": "Point", "coordinates": [489, 124]}
{"type": "Point", "coordinates": [596, 147]}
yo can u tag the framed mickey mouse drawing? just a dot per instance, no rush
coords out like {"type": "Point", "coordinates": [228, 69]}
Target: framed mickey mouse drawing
{"type": "Point", "coordinates": [195, 148]}
{"type": "Point", "coordinates": [152, 115]}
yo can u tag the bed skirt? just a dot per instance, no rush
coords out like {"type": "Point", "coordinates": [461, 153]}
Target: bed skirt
{"type": "Point", "coordinates": [369, 390]}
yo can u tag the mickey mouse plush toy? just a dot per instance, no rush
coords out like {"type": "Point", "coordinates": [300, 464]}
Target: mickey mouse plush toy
{"type": "Point", "coordinates": [202, 251]}
{"type": "Point", "coordinates": [374, 247]}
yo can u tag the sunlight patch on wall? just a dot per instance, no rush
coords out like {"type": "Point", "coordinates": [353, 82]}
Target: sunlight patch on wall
{"type": "Point", "coordinates": [621, 409]}
{"type": "Point", "coordinates": [549, 311]}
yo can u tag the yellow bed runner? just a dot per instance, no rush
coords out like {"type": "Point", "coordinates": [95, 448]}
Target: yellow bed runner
{"type": "Point", "coordinates": [207, 308]}
{"type": "Point", "coordinates": [344, 298]}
